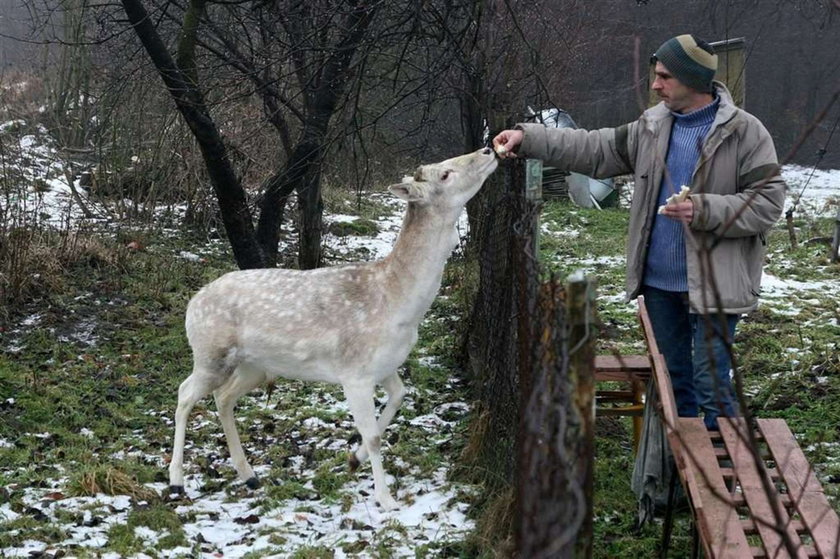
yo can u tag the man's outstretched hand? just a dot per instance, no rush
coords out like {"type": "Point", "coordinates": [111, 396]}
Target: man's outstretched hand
{"type": "Point", "coordinates": [507, 142]}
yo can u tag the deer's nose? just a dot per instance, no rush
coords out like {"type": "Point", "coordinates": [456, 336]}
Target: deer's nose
{"type": "Point", "coordinates": [486, 151]}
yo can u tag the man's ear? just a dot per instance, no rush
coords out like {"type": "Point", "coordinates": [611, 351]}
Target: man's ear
{"type": "Point", "coordinates": [409, 190]}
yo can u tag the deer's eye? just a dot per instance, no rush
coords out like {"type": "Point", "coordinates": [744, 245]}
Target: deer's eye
{"type": "Point", "coordinates": [444, 175]}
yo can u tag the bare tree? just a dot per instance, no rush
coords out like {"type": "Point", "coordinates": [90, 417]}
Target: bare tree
{"type": "Point", "coordinates": [272, 45]}
{"type": "Point", "coordinates": [190, 102]}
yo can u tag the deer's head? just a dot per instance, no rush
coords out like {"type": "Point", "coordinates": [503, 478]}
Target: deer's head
{"type": "Point", "coordinates": [448, 184]}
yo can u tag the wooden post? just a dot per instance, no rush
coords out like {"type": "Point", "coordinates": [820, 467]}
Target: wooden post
{"type": "Point", "coordinates": [528, 189]}
{"type": "Point", "coordinates": [580, 293]}
{"type": "Point", "coordinates": [533, 193]}
{"type": "Point", "coordinates": [791, 229]}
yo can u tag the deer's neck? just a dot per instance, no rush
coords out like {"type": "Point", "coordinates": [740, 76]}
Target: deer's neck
{"type": "Point", "coordinates": [415, 266]}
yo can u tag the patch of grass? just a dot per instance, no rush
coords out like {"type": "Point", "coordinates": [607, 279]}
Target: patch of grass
{"type": "Point", "coordinates": [29, 527]}
{"type": "Point", "coordinates": [365, 206]}
{"type": "Point", "coordinates": [313, 552]}
{"type": "Point", "coordinates": [810, 261]}
{"type": "Point", "coordinates": [110, 481]}
{"type": "Point", "coordinates": [158, 517]}
{"type": "Point", "coordinates": [493, 536]}
{"type": "Point", "coordinates": [596, 233]}
{"type": "Point", "coordinates": [615, 506]}
{"type": "Point", "coordinates": [123, 538]}
{"type": "Point", "coordinates": [330, 479]}
{"type": "Point", "coordinates": [358, 228]}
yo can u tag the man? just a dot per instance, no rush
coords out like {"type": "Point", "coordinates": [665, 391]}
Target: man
{"type": "Point", "coordinates": [698, 261]}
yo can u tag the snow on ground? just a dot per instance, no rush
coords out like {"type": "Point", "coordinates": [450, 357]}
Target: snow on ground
{"type": "Point", "coordinates": [812, 190]}
{"type": "Point", "coordinates": [223, 519]}
{"type": "Point", "coordinates": [374, 247]}
{"type": "Point", "coordinates": [33, 158]}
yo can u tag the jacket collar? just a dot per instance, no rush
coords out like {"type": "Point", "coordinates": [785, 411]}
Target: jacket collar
{"type": "Point", "coordinates": [659, 114]}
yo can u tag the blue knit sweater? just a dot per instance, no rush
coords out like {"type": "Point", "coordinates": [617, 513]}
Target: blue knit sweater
{"type": "Point", "coordinates": [665, 267]}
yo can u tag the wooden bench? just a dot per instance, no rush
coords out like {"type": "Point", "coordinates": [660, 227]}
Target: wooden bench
{"type": "Point", "coordinates": [751, 490]}
{"type": "Point", "coordinates": [632, 370]}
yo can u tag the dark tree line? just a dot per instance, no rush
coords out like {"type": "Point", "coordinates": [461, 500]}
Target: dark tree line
{"type": "Point", "coordinates": [313, 63]}
{"type": "Point", "coordinates": [351, 84]}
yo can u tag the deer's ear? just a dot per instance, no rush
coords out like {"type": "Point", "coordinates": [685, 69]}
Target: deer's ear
{"type": "Point", "coordinates": [409, 190]}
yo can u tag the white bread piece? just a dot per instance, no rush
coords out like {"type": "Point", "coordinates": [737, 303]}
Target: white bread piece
{"type": "Point", "coordinates": [675, 198]}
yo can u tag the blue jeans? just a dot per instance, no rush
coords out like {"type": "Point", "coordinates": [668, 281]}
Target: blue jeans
{"type": "Point", "coordinates": [696, 353]}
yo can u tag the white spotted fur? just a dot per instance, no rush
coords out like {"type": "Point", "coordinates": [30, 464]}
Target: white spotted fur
{"type": "Point", "coordinates": [353, 325]}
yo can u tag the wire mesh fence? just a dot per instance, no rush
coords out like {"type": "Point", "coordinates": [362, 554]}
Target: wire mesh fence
{"type": "Point", "coordinates": [530, 355]}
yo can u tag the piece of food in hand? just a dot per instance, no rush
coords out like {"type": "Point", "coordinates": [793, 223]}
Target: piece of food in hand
{"type": "Point", "coordinates": [675, 198]}
{"type": "Point", "coordinates": [501, 150]}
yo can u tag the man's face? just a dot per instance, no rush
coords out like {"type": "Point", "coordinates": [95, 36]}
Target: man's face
{"type": "Point", "coordinates": [677, 97]}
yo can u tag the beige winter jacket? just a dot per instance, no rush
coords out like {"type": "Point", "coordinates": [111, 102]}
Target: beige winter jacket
{"type": "Point", "coordinates": [736, 189]}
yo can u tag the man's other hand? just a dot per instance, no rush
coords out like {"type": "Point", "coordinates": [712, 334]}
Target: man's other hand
{"type": "Point", "coordinates": [681, 211]}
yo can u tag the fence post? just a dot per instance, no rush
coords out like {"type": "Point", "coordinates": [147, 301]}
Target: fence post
{"type": "Point", "coordinates": [533, 193]}
{"type": "Point", "coordinates": [580, 294]}
{"type": "Point", "coordinates": [525, 260]}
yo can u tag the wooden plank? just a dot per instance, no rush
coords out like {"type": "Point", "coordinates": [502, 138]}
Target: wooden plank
{"type": "Point", "coordinates": [622, 376]}
{"type": "Point", "coordinates": [647, 328]}
{"type": "Point", "coordinates": [665, 391]}
{"type": "Point", "coordinates": [620, 411]}
{"type": "Point", "coordinates": [804, 488]}
{"type": "Point", "coordinates": [623, 395]}
{"type": "Point", "coordinates": [739, 500]}
{"type": "Point", "coordinates": [718, 523]}
{"type": "Point", "coordinates": [761, 504]}
{"type": "Point", "coordinates": [660, 370]}
{"type": "Point", "coordinates": [634, 363]}
{"type": "Point", "coordinates": [622, 368]}
{"type": "Point", "coordinates": [748, 524]}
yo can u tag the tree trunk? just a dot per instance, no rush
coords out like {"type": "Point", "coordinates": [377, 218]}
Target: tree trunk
{"type": "Point", "coordinates": [295, 176]}
{"type": "Point", "coordinates": [311, 213]}
{"type": "Point", "coordinates": [305, 168]}
{"type": "Point", "coordinates": [229, 192]}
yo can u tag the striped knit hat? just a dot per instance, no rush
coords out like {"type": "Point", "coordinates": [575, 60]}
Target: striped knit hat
{"type": "Point", "coordinates": [692, 61]}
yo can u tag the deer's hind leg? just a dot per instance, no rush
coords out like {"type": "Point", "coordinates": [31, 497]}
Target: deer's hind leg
{"type": "Point", "coordinates": [207, 375]}
{"type": "Point", "coordinates": [243, 380]}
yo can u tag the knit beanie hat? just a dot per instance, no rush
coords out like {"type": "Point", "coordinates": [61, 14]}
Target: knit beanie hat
{"type": "Point", "coordinates": [692, 61]}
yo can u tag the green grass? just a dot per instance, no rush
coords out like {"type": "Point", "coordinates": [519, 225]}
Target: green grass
{"type": "Point", "coordinates": [360, 228]}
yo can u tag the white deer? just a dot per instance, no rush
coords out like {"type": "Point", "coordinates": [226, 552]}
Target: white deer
{"type": "Point", "coordinates": [352, 325]}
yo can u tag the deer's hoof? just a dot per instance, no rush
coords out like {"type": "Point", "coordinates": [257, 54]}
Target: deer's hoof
{"type": "Point", "coordinates": [253, 483]}
{"type": "Point", "coordinates": [387, 503]}
{"type": "Point", "coordinates": [176, 489]}
{"type": "Point", "coordinates": [353, 462]}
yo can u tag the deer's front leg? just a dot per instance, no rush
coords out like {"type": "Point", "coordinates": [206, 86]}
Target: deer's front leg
{"type": "Point", "coordinates": [395, 390]}
{"type": "Point", "coordinates": [360, 401]}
